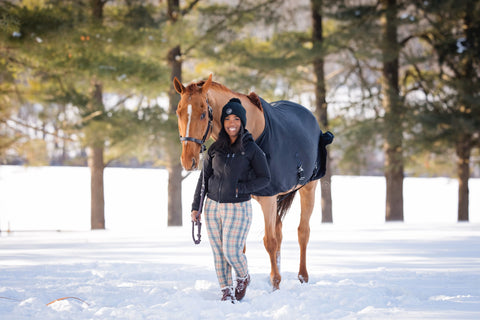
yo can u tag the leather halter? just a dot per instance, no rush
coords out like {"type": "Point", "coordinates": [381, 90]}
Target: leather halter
{"type": "Point", "coordinates": [207, 131]}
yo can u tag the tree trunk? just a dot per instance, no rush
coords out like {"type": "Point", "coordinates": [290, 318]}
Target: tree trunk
{"type": "Point", "coordinates": [97, 10]}
{"type": "Point", "coordinates": [326, 187]}
{"type": "Point", "coordinates": [96, 146]}
{"type": "Point", "coordinates": [175, 63]}
{"type": "Point", "coordinates": [463, 151]}
{"type": "Point", "coordinates": [96, 165]}
{"type": "Point", "coordinates": [173, 145]}
{"type": "Point", "coordinates": [393, 113]}
{"type": "Point", "coordinates": [96, 162]}
{"type": "Point", "coordinates": [321, 103]}
{"type": "Point", "coordinates": [465, 144]}
{"type": "Point", "coordinates": [173, 158]}
{"type": "Point", "coordinates": [174, 192]}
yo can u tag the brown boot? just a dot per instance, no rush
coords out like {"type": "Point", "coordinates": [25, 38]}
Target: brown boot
{"type": "Point", "coordinates": [228, 294]}
{"type": "Point", "coordinates": [241, 289]}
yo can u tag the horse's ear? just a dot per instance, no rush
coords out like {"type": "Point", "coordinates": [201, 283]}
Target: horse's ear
{"type": "Point", "coordinates": [207, 84]}
{"type": "Point", "coordinates": [178, 85]}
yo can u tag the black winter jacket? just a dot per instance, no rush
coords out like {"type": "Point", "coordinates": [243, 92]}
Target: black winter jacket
{"type": "Point", "coordinates": [233, 177]}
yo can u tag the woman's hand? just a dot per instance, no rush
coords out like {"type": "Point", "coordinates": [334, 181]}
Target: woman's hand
{"type": "Point", "coordinates": [194, 216]}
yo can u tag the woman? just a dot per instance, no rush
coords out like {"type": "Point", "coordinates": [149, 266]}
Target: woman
{"type": "Point", "coordinates": [233, 169]}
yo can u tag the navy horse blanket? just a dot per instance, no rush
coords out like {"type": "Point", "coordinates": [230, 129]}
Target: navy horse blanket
{"type": "Point", "coordinates": [294, 145]}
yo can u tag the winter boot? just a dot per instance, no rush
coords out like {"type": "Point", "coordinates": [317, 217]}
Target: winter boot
{"type": "Point", "coordinates": [241, 289]}
{"type": "Point", "coordinates": [228, 294]}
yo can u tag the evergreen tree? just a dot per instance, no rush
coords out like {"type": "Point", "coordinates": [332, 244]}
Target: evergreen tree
{"type": "Point", "coordinates": [376, 35]}
{"type": "Point", "coordinates": [174, 58]}
{"type": "Point", "coordinates": [394, 110]}
{"type": "Point", "coordinates": [321, 100]}
{"type": "Point", "coordinates": [93, 54]}
{"type": "Point", "coordinates": [450, 117]}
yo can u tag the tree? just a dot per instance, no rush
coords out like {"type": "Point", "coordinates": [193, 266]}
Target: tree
{"type": "Point", "coordinates": [321, 102]}
{"type": "Point", "coordinates": [72, 43]}
{"type": "Point", "coordinates": [174, 59]}
{"type": "Point", "coordinates": [12, 86]}
{"type": "Point", "coordinates": [394, 111]}
{"type": "Point", "coordinates": [370, 33]}
{"type": "Point", "coordinates": [450, 82]}
{"type": "Point", "coordinates": [95, 141]}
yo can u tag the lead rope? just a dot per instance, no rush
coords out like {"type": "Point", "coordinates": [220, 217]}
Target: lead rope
{"type": "Point", "coordinates": [199, 212]}
{"type": "Point", "coordinates": [202, 192]}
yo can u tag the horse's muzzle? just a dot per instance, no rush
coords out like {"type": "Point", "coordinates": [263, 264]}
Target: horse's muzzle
{"type": "Point", "coordinates": [189, 165]}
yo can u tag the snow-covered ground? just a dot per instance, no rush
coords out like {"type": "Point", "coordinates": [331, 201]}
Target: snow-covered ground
{"type": "Point", "coordinates": [360, 267]}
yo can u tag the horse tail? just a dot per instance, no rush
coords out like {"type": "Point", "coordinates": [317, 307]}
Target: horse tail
{"type": "Point", "coordinates": [284, 203]}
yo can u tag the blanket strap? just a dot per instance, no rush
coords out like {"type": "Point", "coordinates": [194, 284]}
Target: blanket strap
{"type": "Point", "coordinates": [300, 179]}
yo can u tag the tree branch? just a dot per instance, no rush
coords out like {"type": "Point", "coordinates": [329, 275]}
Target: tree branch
{"type": "Point", "coordinates": [404, 41]}
{"type": "Point", "coordinates": [220, 24]}
{"type": "Point", "coordinates": [26, 125]}
{"type": "Point", "coordinates": [189, 7]}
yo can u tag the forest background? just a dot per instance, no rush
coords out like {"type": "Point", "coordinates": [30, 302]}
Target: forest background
{"type": "Point", "coordinates": [90, 83]}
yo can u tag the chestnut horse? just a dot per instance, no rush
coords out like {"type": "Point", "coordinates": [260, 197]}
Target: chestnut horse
{"type": "Point", "coordinates": [198, 113]}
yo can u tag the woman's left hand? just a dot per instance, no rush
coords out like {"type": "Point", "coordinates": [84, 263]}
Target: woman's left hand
{"type": "Point", "coordinates": [194, 216]}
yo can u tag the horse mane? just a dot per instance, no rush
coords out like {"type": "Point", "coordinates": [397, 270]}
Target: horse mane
{"type": "Point", "coordinates": [255, 99]}
{"type": "Point", "coordinates": [252, 96]}
{"type": "Point", "coordinates": [194, 86]}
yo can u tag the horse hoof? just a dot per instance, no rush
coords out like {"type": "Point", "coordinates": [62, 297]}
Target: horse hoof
{"type": "Point", "coordinates": [303, 279]}
{"type": "Point", "coordinates": [275, 284]}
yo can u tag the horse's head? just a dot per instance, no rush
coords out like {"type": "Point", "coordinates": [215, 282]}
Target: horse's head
{"type": "Point", "coordinates": [194, 120]}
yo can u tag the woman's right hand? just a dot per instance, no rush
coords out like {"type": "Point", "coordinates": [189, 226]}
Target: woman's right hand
{"type": "Point", "coordinates": [194, 216]}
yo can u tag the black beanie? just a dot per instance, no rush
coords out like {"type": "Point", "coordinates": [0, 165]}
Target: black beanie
{"type": "Point", "coordinates": [234, 106]}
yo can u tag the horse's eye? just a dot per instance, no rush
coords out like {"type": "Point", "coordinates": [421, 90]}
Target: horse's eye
{"type": "Point", "coordinates": [202, 116]}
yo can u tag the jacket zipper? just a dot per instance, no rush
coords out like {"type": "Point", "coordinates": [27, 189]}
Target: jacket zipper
{"type": "Point", "coordinates": [221, 181]}
{"type": "Point", "coordinates": [236, 183]}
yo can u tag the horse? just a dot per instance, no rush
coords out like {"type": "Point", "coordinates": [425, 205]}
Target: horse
{"type": "Point", "coordinates": [296, 168]}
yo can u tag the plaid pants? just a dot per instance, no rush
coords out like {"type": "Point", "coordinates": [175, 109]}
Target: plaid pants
{"type": "Point", "coordinates": [227, 226]}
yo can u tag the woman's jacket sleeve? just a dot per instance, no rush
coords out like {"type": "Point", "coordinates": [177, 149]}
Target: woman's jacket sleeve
{"type": "Point", "coordinates": [207, 172]}
{"type": "Point", "coordinates": [262, 173]}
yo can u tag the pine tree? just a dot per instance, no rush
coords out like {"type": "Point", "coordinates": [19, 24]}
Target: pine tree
{"type": "Point", "coordinates": [320, 100]}
{"type": "Point", "coordinates": [174, 59]}
{"type": "Point", "coordinates": [375, 35]}
{"type": "Point", "coordinates": [88, 53]}
{"type": "Point", "coordinates": [450, 81]}
{"type": "Point", "coordinates": [394, 110]}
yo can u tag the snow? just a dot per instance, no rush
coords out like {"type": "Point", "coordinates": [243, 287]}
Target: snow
{"type": "Point", "coordinates": [360, 267]}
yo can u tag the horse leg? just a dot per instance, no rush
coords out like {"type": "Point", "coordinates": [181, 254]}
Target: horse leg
{"type": "Point", "coordinates": [307, 201]}
{"type": "Point", "coordinates": [269, 208]}
{"type": "Point", "coordinates": [279, 236]}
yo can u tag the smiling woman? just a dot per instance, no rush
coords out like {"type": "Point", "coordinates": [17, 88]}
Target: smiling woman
{"type": "Point", "coordinates": [234, 168]}
{"type": "Point", "coordinates": [232, 126]}
{"type": "Point", "coordinates": [233, 118]}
